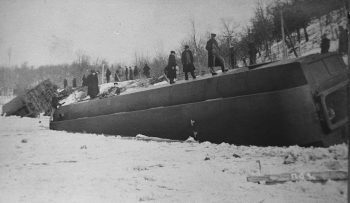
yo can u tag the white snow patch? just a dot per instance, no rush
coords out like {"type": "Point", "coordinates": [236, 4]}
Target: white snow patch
{"type": "Point", "coordinates": [41, 165]}
{"type": "Point", "coordinates": [161, 83]}
{"type": "Point", "coordinates": [74, 97]}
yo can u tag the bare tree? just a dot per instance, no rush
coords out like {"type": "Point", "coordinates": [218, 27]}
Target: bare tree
{"type": "Point", "coordinates": [196, 43]}
{"type": "Point", "coordinates": [230, 27]}
{"type": "Point", "coordinates": [193, 35]}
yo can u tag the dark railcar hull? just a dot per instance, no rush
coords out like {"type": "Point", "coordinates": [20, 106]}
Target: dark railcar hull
{"type": "Point", "coordinates": [278, 118]}
{"type": "Point", "coordinates": [264, 112]}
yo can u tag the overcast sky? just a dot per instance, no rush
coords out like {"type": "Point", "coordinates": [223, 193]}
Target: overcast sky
{"type": "Point", "coordinates": [53, 31]}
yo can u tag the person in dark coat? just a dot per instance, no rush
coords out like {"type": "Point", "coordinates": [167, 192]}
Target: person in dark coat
{"type": "Point", "coordinates": [214, 59]}
{"type": "Point", "coordinates": [92, 83]}
{"type": "Point", "coordinates": [54, 105]}
{"type": "Point", "coordinates": [252, 51]}
{"type": "Point", "coordinates": [325, 43]}
{"type": "Point", "coordinates": [108, 75]}
{"type": "Point", "coordinates": [74, 82]}
{"type": "Point", "coordinates": [187, 62]}
{"type": "Point", "coordinates": [233, 58]}
{"type": "Point", "coordinates": [146, 71]}
{"type": "Point", "coordinates": [244, 60]}
{"type": "Point", "coordinates": [84, 81]}
{"type": "Point", "coordinates": [95, 79]}
{"type": "Point", "coordinates": [126, 74]}
{"type": "Point", "coordinates": [65, 83]}
{"type": "Point", "coordinates": [343, 40]}
{"type": "Point", "coordinates": [131, 73]}
{"type": "Point", "coordinates": [170, 69]}
{"type": "Point", "coordinates": [136, 72]}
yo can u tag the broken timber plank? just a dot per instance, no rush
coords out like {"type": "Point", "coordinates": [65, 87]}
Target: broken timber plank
{"type": "Point", "coordinates": [308, 176]}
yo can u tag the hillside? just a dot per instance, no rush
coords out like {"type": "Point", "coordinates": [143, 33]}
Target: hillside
{"type": "Point", "coordinates": [327, 24]}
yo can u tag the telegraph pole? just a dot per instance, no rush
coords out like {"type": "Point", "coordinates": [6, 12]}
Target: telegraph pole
{"type": "Point", "coordinates": [230, 59]}
{"type": "Point", "coordinates": [284, 50]}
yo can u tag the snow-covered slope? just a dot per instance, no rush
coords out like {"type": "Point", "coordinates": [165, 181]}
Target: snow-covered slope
{"type": "Point", "coordinates": [327, 24]}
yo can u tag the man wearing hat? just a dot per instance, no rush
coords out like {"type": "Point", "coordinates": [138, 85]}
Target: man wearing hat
{"type": "Point", "coordinates": [170, 69]}
{"type": "Point", "coordinates": [146, 71]}
{"type": "Point", "coordinates": [54, 104]}
{"type": "Point", "coordinates": [187, 62]}
{"type": "Point", "coordinates": [92, 83]}
{"type": "Point", "coordinates": [214, 59]}
{"type": "Point", "coordinates": [126, 73]}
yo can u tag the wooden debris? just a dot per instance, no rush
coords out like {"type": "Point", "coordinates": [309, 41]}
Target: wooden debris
{"type": "Point", "coordinates": [33, 102]}
{"type": "Point", "coordinates": [38, 99]}
{"type": "Point", "coordinates": [290, 159]}
{"type": "Point", "coordinates": [236, 156]}
{"type": "Point", "coordinates": [158, 79]}
{"type": "Point", "coordinates": [308, 176]}
{"type": "Point", "coordinates": [259, 164]}
{"type": "Point", "coordinates": [115, 90]}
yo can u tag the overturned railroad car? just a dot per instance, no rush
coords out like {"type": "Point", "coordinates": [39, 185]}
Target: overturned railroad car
{"type": "Point", "coordinates": [299, 101]}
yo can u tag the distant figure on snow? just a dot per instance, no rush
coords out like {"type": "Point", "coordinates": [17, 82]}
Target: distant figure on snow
{"type": "Point", "coordinates": [108, 75]}
{"type": "Point", "coordinates": [126, 73]}
{"type": "Point", "coordinates": [187, 62]}
{"type": "Point", "coordinates": [136, 72]}
{"type": "Point", "coordinates": [146, 71]}
{"type": "Point", "coordinates": [325, 43]}
{"type": "Point", "coordinates": [343, 40]}
{"type": "Point", "coordinates": [84, 81]}
{"type": "Point", "coordinates": [65, 83]}
{"type": "Point", "coordinates": [244, 60]}
{"type": "Point", "coordinates": [131, 73]}
{"type": "Point", "coordinates": [54, 104]}
{"type": "Point", "coordinates": [233, 61]}
{"type": "Point", "coordinates": [214, 59]}
{"type": "Point", "coordinates": [74, 82]}
{"type": "Point", "coordinates": [92, 83]}
{"type": "Point", "coordinates": [170, 69]}
{"type": "Point", "coordinates": [252, 51]}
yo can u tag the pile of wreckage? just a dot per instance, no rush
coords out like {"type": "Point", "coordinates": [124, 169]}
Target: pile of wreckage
{"type": "Point", "coordinates": [38, 99]}
{"type": "Point", "coordinates": [32, 102]}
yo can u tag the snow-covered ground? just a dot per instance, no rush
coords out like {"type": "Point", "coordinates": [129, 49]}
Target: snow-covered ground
{"type": "Point", "coordinates": [40, 165]}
